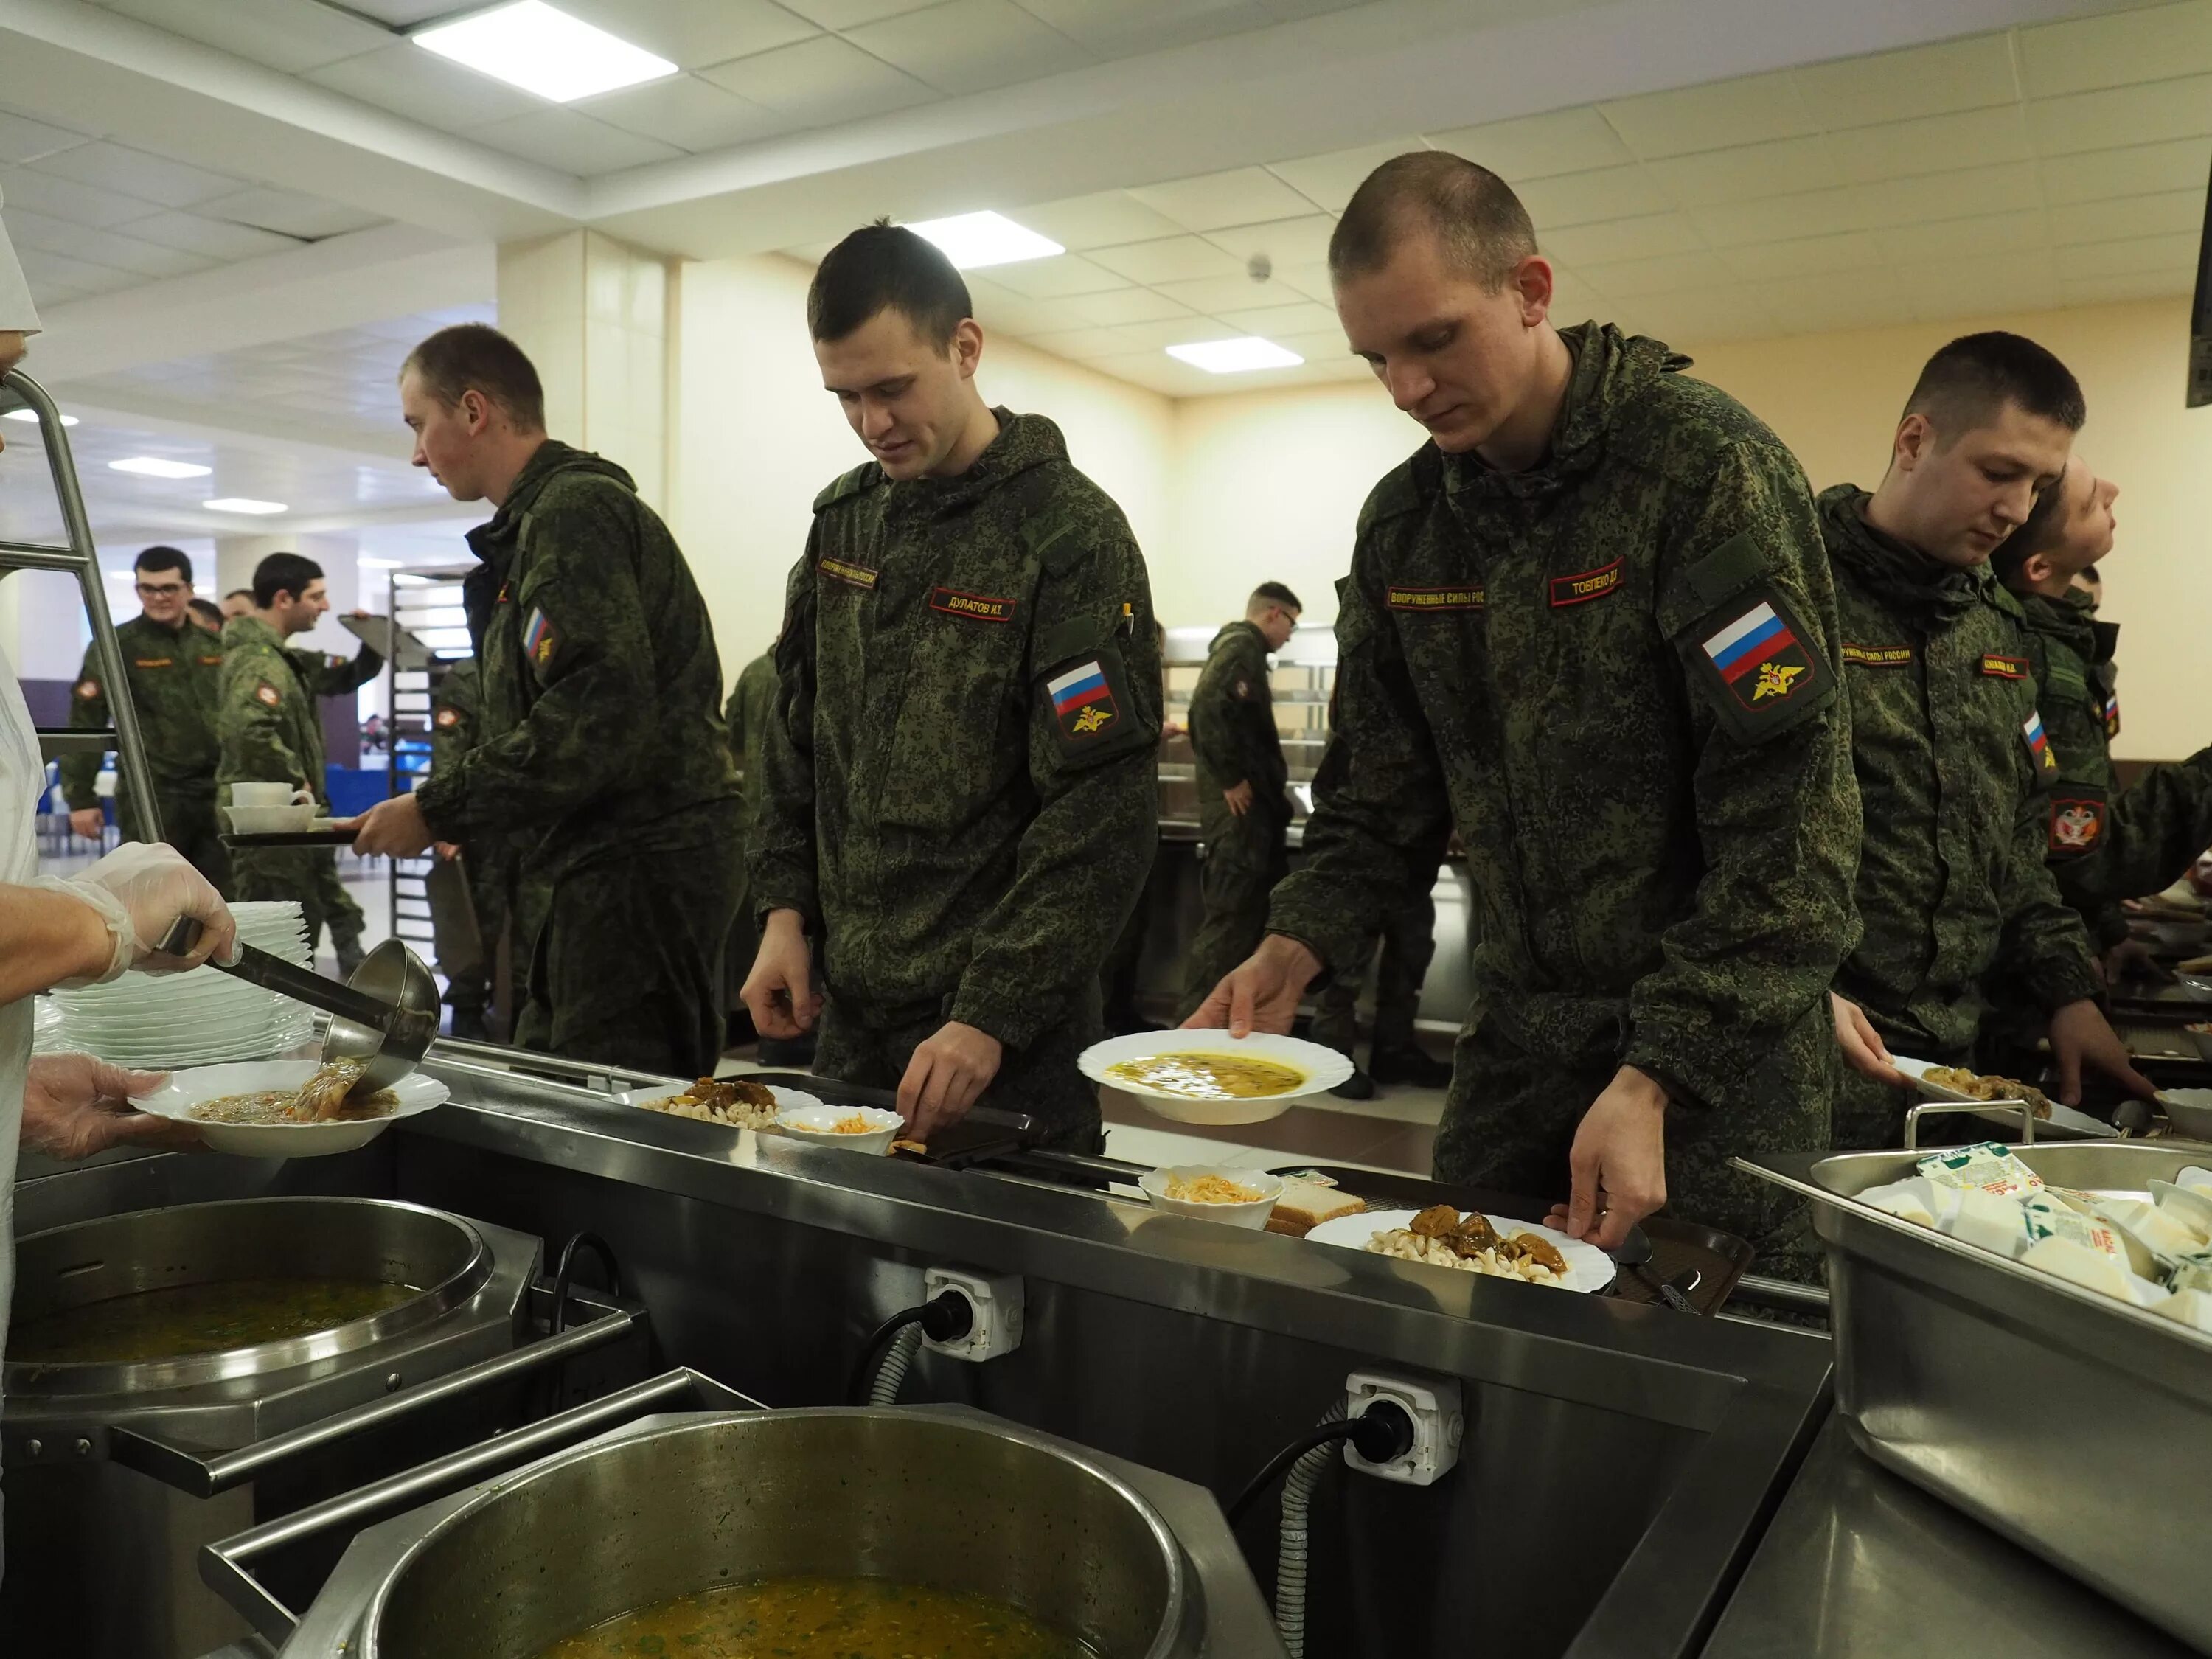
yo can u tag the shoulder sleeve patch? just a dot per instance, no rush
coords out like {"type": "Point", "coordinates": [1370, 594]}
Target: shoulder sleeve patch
{"type": "Point", "coordinates": [1761, 668]}
{"type": "Point", "coordinates": [266, 693]}
{"type": "Point", "coordinates": [1719, 575]}
{"type": "Point", "coordinates": [2077, 821]}
{"type": "Point", "coordinates": [1093, 715]}
{"type": "Point", "coordinates": [447, 719]}
{"type": "Point", "coordinates": [851, 483]}
{"type": "Point", "coordinates": [87, 689]}
{"type": "Point", "coordinates": [2040, 757]}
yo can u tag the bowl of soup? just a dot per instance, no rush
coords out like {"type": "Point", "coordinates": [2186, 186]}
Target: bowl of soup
{"type": "Point", "coordinates": [1210, 1078]}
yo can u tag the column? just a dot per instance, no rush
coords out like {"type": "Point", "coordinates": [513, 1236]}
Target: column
{"type": "Point", "coordinates": [594, 315]}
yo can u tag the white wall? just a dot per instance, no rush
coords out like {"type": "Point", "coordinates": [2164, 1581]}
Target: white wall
{"type": "Point", "coordinates": [756, 438]}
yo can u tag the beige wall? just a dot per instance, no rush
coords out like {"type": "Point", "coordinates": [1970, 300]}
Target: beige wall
{"type": "Point", "coordinates": [757, 438]}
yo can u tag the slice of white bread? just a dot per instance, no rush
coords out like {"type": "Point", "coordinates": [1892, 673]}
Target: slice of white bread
{"type": "Point", "coordinates": [1307, 1203]}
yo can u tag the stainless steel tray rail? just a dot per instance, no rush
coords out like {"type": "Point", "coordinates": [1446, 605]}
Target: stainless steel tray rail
{"type": "Point", "coordinates": [2076, 1425]}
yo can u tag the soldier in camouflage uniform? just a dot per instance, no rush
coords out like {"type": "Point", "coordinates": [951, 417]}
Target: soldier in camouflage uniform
{"type": "Point", "coordinates": [171, 669]}
{"type": "Point", "coordinates": [962, 773]}
{"type": "Point", "coordinates": [747, 714]}
{"type": "Point", "coordinates": [268, 720]}
{"type": "Point", "coordinates": [1953, 760]}
{"type": "Point", "coordinates": [603, 759]}
{"type": "Point", "coordinates": [1588, 625]}
{"type": "Point", "coordinates": [1243, 809]}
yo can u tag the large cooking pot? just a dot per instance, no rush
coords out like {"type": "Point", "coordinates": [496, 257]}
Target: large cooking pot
{"type": "Point", "coordinates": [955, 1502]}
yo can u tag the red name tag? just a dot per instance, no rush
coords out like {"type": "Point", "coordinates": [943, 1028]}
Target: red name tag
{"type": "Point", "coordinates": [2005, 668]}
{"type": "Point", "coordinates": [1590, 585]}
{"type": "Point", "coordinates": [973, 606]}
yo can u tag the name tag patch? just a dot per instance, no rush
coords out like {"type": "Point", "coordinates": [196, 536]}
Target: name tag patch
{"type": "Point", "coordinates": [973, 606]}
{"type": "Point", "coordinates": [1438, 598]}
{"type": "Point", "coordinates": [852, 575]}
{"type": "Point", "coordinates": [2038, 746]}
{"type": "Point", "coordinates": [1878, 656]}
{"type": "Point", "coordinates": [2075, 825]}
{"type": "Point", "coordinates": [1590, 585]}
{"type": "Point", "coordinates": [1082, 702]}
{"type": "Point", "coordinates": [2005, 668]}
{"type": "Point", "coordinates": [211, 662]}
{"type": "Point", "coordinates": [153, 662]}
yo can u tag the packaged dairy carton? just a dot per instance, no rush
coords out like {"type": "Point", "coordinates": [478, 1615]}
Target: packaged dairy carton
{"type": "Point", "coordinates": [1987, 1164]}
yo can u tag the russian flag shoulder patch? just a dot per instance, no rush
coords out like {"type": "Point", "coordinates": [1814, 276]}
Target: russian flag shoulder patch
{"type": "Point", "coordinates": [1761, 668]}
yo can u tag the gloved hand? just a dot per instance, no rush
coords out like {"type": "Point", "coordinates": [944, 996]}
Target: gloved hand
{"type": "Point", "coordinates": [140, 891]}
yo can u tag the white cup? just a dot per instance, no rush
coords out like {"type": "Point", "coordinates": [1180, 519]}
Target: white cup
{"type": "Point", "coordinates": [269, 795]}
{"type": "Point", "coordinates": [271, 820]}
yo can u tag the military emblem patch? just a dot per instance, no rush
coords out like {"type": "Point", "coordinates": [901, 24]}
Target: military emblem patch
{"type": "Point", "coordinates": [852, 575]}
{"type": "Point", "coordinates": [267, 693]}
{"type": "Point", "coordinates": [1590, 585]}
{"type": "Point", "coordinates": [1759, 655]}
{"type": "Point", "coordinates": [1081, 700]}
{"type": "Point", "coordinates": [1761, 668]}
{"type": "Point", "coordinates": [88, 689]}
{"type": "Point", "coordinates": [2111, 713]}
{"type": "Point", "coordinates": [2004, 668]}
{"type": "Point", "coordinates": [973, 606]}
{"type": "Point", "coordinates": [2075, 825]}
{"type": "Point", "coordinates": [539, 641]}
{"type": "Point", "coordinates": [449, 718]}
{"type": "Point", "coordinates": [2038, 746]}
{"type": "Point", "coordinates": [1878, 656]}
{"type": "Point", "coordinates": [1438, 598]}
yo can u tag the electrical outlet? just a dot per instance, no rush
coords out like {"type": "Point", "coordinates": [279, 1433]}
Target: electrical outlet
{"type": "Point", "coordinates": [1439, 1423]}
{"type": "Point", "coordinates": [995, 1300]}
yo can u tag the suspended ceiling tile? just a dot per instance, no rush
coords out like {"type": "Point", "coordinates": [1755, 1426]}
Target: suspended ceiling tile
{"type": "Point", "coordinates": [1807, 256]}
{"type": "Point", "coordinates": [1748, 110]}
{"type": "Point", "coordinates": [1062, 273]}
{"type": "Point", "coordinates": [1916, 248]}
{"type": "Point", "coordinates": [1584, 199]}
{"type": "Point", "coordinates": [147, 260]}
{"type": "Point", "coordinates": [288, 213]}
{"type": "Point", "coordinates": [1312, 281]}
{"type": "Point", "coordinates": [215, 239]}
{"type": "Point", "coordinates": [849, 14]}
{"type": "Point", "coordinates": [1712, 314]}
{"type": "Point", "coordinates": [2138, 170]}
{"type": "Point", "coordinates": [1745, 173]}
{"type": "Point", "coordinates": [1902, 86]}
{"type": "Point", "coordinates": [1216, 201]}
{"type": "Point", "coordinates": [1100, 220]}
{"type": "Point", "coordinates": [1327, 181]}
{"type": "Point", "coordinates": [39, 267]}
{"type": "Point", "coordinates": [284, 34]}
{"type": "Point", "coordinates": [1937, 143]}
{"type": "Point", "coordinates": [22, 139]}
{"type": "Point", "coordinates": [2141, 43]}
{"type": "Point", "coordinates": [1171, 259]}
{"type": "Point", "coordinates": [1814, 304]}
{"type": "Point", "coordinates": [1780, 218]}
{"type": "Point", "coordinates": [64, 198]}
{"type": "Point", "coordinates": [1646, 237]}
{"type": "Point", "coordinates": [1971, 192]}
{"type": "Point", "coordinates": [2147, 253]}
{"type": "Point", "coordinates": [2108, 289]}
{"type": "Point", "coordinates": [130, 172]}
{"type": "Point", "coordinates": [820, 80]}
{"type": "Point", "coordinates": [1125, 305]}
{"type": "Point", "coordinates": [693, 34]}
{"type": "Point", "coordinates": [1282, 321]}
{"type": "Point", "coordinates": [971, 46]}
{"type": "Point", "coordinates": [1014, 313]}
{"type": "Point", "coordinates": [1157, 371]}
{"type": "Point", "coordinates": [573, 142]}
{"type": "Point", "coordinates": [1079, 345]}
{"type": "Point", "coordinates": [687, 111]}
{"type": "Point", "coordinates": [1214, 295]}
{"type": "Point", "coordinates": [414, 82]}
{"type": "Point", "coordinates": [2120, 116]}
{"type": "Point", "coordinates": [1979, 287]}
{"type": "Point", "coordinates": [1574, 298]}
{"type": "Point", "coordinates": [1539, 146]}
{"type": "Point", "coordinates": [1284, 241]}
{"type": "Point", "coordinates": [1668, 273]}
{"type": "Point", "coordinates": [1121, 28]}
{"type": "Point", "coordinates": [1158, 336]}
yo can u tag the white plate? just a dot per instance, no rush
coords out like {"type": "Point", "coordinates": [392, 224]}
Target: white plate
{"type": "Point", "coordinates": [1324, 1069]}
{"type": "Point", "coordinates": [1153, 1183]}
{"type": "Point", "coordinates": [1589, 1268]}
{"type": "Point", "coordinates": [2064, 1123]}
{"type": "Point", "coordinates": [784, 1097]}
{"type": "Point", "coordinates": [815, 1125]}
{"type": "Point", "coordinates": [190, 1088]}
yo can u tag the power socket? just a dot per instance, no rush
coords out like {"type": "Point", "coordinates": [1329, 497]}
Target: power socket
{"type": "Point", "coordinates": [1439, 1423]}
{"type": "Point", "coordinates": [995, 1300]}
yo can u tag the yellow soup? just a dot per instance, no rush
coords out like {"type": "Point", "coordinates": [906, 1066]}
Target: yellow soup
{"type": "Point", "coordinates": [190, 1319]}
{"type": "Point", "coordinates": [823, 1619]}
{"type": "Point", "coordinates": [1211, 1077]}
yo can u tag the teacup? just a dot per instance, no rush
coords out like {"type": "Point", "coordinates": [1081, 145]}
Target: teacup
{"type": "Point", "coordinates": [269, 795]}
{"type": "Point", "coordinates": [271, 820]}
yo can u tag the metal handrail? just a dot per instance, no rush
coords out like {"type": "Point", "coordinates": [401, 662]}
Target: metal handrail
{"type": "Point", "coordinates": [82, 558]}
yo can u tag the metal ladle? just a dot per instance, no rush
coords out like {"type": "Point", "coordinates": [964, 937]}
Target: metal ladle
{"type": "Point", "coordinates": [385, 1013]}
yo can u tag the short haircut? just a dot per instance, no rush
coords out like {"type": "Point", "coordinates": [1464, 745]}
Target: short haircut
{"type": "Point", "coordinates": [208, 610]}
{"type": "Point", "coordinates": [236, 592]}
{"type": "Point", "coordinates": [1268, 593]}
{"type": "Point", "coordinates": [1967, 385]}
{"type": "Point", "coordinates": [165, 558]}
{"type": "Point", "coordinates": [1477, 219]}
{"type": "Point", "coordinates": [477, 357]}
{"type": "Point", "coordinates": [2037, 533]}
{"type": "Point", "coordinates": [283, 573]}
{"type": "Point", "coordinates": [886, 267]}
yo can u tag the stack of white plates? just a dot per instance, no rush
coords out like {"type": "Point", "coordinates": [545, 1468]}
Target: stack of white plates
{"type": "Point", "coordinates": [200, 1019]}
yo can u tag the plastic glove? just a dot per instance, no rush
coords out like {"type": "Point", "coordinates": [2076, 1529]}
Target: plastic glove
{"type": "Point", "coordinates": [140, 891]}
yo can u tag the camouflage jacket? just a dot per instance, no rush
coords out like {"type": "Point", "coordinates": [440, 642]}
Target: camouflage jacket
{"type": "Point", "coordinates": [172, 674]}
{"type": "Point", "coordinates": [601, 691]}
{"type": "Point", "coordinates": [1613, 673]}
{"type": "Point", "coordinates": [1232, 720]}
{"type": "Point", "coordinates": [747, 714]}
{"type": "Point", "coordinates": [1953, 768]}
{"type": "Point", "coordinates": [268, 719]}
{"type": "Point", "coordinates": [962, 771]}
{"type": "Point", "coordinates": [2106, 844]}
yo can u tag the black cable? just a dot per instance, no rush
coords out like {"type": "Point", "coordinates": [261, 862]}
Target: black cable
{"type": "Point", "coordinates": [1380, 1434]}
{"type": "Point", "coordinates": [600, 1246]}
{"type": "Point", "coordinates": [945, 1317]}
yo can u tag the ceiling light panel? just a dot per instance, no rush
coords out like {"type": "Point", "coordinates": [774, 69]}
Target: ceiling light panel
{"type": "Point", "coordinates": [153, 467]}
{"type": "Point", "coordinates": [1239, 356]}
{"type": "Point", "coordinates": [30, 417]}
{"type": "Point", "coordinates": [245, 504]}
{"type": "Point", "coordinates": [974, 241]}
{"type": "Point", "coordinates": [543, 50]}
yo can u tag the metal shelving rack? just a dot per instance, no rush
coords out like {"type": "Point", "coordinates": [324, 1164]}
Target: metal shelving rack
{"type": "Point", "coordinates": [78, 557]}
{"type": "Point", "coordinates": [424, 607]}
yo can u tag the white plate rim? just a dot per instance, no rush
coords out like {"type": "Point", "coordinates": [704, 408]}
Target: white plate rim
{"type": "Point", "coordinates": [2078, 1123]}
{"type": "Point", "coordinates": [190, 1085]}
{"type": "Point", "coordinates": [1587, 1275]}
{"type": "Point", "coordinates": [1324, 1067]}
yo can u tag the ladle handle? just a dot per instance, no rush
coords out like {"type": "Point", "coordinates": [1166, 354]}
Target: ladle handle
{"type": "Point", "coordinates": [273, 972]}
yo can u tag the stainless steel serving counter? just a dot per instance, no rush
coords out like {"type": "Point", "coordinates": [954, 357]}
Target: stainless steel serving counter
{"type": "Point", "coordinates": [1860, 1563]}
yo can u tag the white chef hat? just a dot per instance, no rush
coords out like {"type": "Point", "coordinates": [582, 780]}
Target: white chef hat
{"type": "Point", "coordinates": [16, 311]}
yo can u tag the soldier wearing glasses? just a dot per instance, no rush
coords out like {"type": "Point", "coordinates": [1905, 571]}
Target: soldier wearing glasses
{"type": "Point", "coordinates": [171, 667]}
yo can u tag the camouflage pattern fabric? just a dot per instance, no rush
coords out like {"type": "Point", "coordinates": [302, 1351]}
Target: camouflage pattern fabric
{"type": "Point", "coordinates": [270, 730]}
{"type": "Point", "coordinates": [1954, 770]}
{"type": "Point", "coordinates": [962, 773]}
{"type": "Point", "coordinates": [174, 676]}
{"type": "Point", "coordinates": [1407, 944]}
{"type": "Point", "coordinates": [747, 714]}
{"type": "Point", "coordinates": [604, 763]}
{"type": "Point", "coordinates": [1232, 719]}
{"type": "Point", "coordinates": [1613, 673]}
